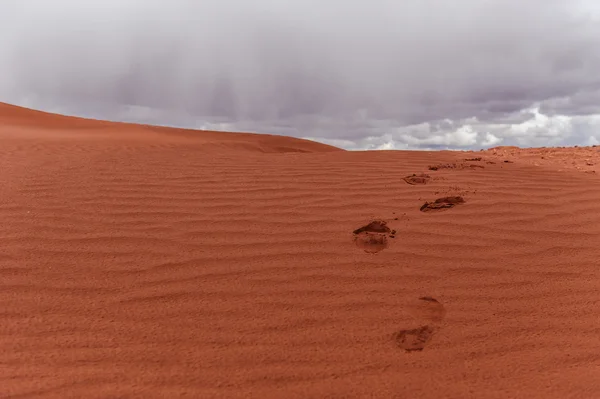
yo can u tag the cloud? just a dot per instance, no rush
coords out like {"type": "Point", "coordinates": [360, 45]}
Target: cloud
{"type": "Point", "coordinates": [370, 74]}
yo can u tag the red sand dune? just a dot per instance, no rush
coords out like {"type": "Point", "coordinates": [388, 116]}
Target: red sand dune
{"type": "Point", "coordinates": [142, 262]}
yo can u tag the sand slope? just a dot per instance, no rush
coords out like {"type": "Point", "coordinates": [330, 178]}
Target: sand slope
{"type": "Point", "coordinates": [22, 123]}
{"type": "Point", "coordinates": [144, 262]}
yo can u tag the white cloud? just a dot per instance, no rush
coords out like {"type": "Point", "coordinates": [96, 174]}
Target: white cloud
{"type": "Point", "coordinates": [537, 130]}
{"type": "Point", "coordinates": [490, 140]}
{"type": "Point", "coordinates": [543, 125]}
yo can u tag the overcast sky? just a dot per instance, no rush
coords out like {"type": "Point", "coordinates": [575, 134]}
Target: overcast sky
{"type": "Point", "coordinates": [361, 74]}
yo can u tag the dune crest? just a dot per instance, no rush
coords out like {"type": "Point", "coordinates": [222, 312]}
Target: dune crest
{"type": "Point", "coordinates": [20, 123]}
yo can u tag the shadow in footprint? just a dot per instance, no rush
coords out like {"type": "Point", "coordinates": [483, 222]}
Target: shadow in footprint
{"type": "Point", "coordinates": [442, 203]}
{"type": "Point", "coordinates": [373, 237]}
{"type": "Point", "coordinates": [417, 179]}
{"type": "Point", "coordinates": [428, 311]}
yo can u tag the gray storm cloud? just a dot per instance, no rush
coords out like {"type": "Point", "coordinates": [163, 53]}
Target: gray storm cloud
{"type": "Point", "coordinates": [350, 70]}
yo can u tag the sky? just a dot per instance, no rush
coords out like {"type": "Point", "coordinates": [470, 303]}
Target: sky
{"type": "Point", "coordinates": [359, 74]}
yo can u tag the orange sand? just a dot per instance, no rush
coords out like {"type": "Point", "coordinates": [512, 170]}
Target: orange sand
{"type": "Point", "coordinates": [146, 262]}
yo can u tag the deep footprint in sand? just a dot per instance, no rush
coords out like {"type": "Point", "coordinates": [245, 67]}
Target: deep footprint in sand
{"type": "Point", "coordinates": [373, 237]}
{"type": "Point", "coordinates": [442, 203]}
{"type": "Point", "coordinates": [431, 313]}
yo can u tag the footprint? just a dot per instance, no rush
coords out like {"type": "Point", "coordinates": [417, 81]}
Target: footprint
{"type": "Point", "coordinates": [373, 237]}
{"type": "Point", "coordinates": [442, 203]}
{"type": "Point", "coordinates": [431, 313]}
{"type": "Point", "coordinates": [417, 179]}
{"type": "Point", "coordinates": [414, 340]}
{"type": "Point", "coordinates": [455, 166]}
